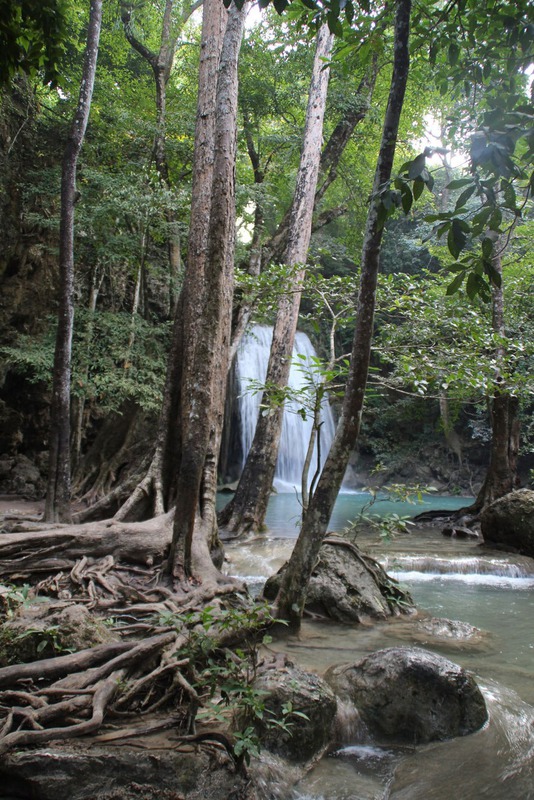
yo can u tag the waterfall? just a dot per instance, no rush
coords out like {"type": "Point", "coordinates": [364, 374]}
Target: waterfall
{"type": "Point", "coordinates": [251, 365]}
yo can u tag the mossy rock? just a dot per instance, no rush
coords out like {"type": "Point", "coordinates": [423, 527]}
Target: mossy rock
{"type": "Point", "coordinates": [41, 630]}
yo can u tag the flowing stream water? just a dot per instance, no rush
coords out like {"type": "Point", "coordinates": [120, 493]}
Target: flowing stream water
{"type": "Point", "coordinates": [450, 578]}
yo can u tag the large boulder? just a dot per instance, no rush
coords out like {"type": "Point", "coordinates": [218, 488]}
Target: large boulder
{"type": "Point", "coordinates": [19, 475]}
{"type": "Point", "coordinates": [300, 709]}
{"type": "Point", "coordinates": [160, 770]}
{"type": "Point", "coordinates": [407, 694]}
{"type": "Point", "coordinates": [348, 586]}
{"type": "Point", "coordinates": [509, 521]}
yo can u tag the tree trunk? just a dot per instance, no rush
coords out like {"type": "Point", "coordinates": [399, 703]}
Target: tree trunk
{"type": "Point", "coordinates": [333, 150]}
{"type": "Point", "coordinates": [247, 509]}
{"type": "Point", "coordinates": [79, 402]}
{"type": "Point", "coordinates": [58, 494]}
{"type": "Point", "coordinates": [292, 594]}
{"type": "Point", "coordinates": [206, 313]}
{"type": "Point", "coordinates": [501, 477]}
{"type": "Point", "coordinates": [159, 483]}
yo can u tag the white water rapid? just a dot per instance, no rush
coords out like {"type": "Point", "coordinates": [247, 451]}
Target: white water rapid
{"type": "Point", "coordinates": [251, 366]}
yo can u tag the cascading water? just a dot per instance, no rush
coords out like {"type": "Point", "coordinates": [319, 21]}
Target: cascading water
{"type": "Point", "coordinates": [251, 367]}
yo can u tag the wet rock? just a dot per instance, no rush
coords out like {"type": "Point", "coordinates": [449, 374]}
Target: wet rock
{"type": "Point", "coordinates": [348, 586]}
{"type": "Point", "coordinates": [458, 532]}
{"type": "Point", "coordinates": [509, 522]}
{"type": "Point", "coordinates": [448, 633]}
{"type": "Point", "coordinates": [407, 694]}
{"type": "Point", "coordinates": [300, 736]}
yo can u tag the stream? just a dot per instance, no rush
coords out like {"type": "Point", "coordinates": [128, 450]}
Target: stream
{"type": "Point", "coordinates": [451, 578]}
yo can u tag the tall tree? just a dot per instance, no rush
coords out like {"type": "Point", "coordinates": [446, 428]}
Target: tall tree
{"type": "Point", "coordinates": [248, 507]}
{"type": "Point", "coordinates": [205, 314]}
{"type": "Point", "coordinates": [58, 496]}
{"type": "Point", "coordinates": [501, 476]}
{"type": "Point", "coordinates": [292, 594]}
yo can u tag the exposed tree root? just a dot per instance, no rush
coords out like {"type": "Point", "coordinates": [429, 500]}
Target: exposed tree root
{"type": "Point", "coordinates": [70, 696]}
{"type": "Point", "coordinates": [149, 671]}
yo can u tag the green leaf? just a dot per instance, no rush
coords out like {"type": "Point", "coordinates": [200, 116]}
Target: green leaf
{"type": "Point", "coordinates": [418, 187]}
{"type": "Point", "coordinates": [493, 274]}
{"type": "Point", "coordinates": [416, 167]}
{"type": "Point", "coordinates": [453, 287]}
{"type": "Point", "coordinates": [280, 5]}
{"type": "Point", "coordinates": [454, 52]}
{"type": "Point", "coordinates": [456, 238]}
{"type": "Point", "coordinates": [476, 285]}
{"type": "Point", "coordinates": [334, 25]}
{"type": "Point", "coordinates": [464, 197]}
{"type": "Point", "coordinates": [471, 286]}
{"type": "Point", "coordinates": [459, 183]}
{"type": "Point", "coordinates": [480, 220]}
{"type": "Point", "coordinates": [487, 247]}
{"type": "Point", "coordinates": [406, 199]}
{"type": "Point", "coordinates": [494, 222]}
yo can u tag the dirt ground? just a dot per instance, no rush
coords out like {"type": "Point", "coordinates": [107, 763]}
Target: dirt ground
{"type": "Point", "coordinates": [13, 505]}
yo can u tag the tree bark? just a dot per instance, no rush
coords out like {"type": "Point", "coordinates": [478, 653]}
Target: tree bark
{"type": "Point", "coordinates": [501, 477]}
{"type": "Point", "coordinates": [161, 65]}
{"type": "Point", "coordinates": [207, 307]}
{"type": "Point", "coordinates": [159, 482]}
{"type": "Point", "coordinates": [292, 594]}
{"type": "Point", "coordinates": [57, 507]}
{"type": "Point", "coordinates": [330, 158]}
{"type": "Point", "coordinates": [247, 509]}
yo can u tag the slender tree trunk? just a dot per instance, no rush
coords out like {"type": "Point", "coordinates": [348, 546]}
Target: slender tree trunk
{"type": "Point", "coordinates": [333, 150]}
{"type": "Point", "coordinates": [79, 402]}
{"type": "Point", "coordinates": [501, 476]}
{"type": "Point", "coordinates": [57, 507]}
{"type": "Point", "coordinates": [161, 65]}
{"type": "Point", "coordinates": [247, 508]}
{"type": "Point", "coordinates": [206, 314]}
{"type": "Point", "coordinates": [292, 594]}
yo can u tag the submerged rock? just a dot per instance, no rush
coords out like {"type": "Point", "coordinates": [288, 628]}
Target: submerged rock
{"type": "Point", "coordinates": [441, 632]}
{"type": "Point", "coordinates": [509, 521]}
{"type": "Point", "coordinates": [407, 694]}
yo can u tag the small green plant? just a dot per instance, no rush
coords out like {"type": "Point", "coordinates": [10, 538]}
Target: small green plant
{"type": "Point", "coordinates": [223, 676]}
{"type": "Point", "coordinates": [387, 526]}
{"type": "Point", "coordinates": [246, 744]}
{"type": "Point", "coordinates": [12, 597]}
{"type": "Point", "coordinates": [49, 639]}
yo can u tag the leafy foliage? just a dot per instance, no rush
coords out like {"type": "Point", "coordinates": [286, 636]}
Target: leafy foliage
{"type": "Point", "coordinates": [106, 369]}
{"type": "Point", "coordinates": [437, 344]}
{"type": "Point", "coordinates": [31, 35]}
